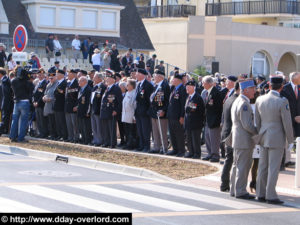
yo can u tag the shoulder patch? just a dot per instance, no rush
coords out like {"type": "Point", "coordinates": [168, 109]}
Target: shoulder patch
{"type": "Point", "coordinates": [245, 108]}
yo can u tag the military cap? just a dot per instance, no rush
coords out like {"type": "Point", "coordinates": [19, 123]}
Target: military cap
{"type": "Point", "coordinates": [142, 71]}
{"type": "Point", "coordinates": [51, 71]}
{"type": "Point", "coordinates": [35, 71]}
{"type": "Point", "coordinates": [60, 71]}
{"type": "Point", "coordinates": [261, 77]}
{"type": "Point", "coordinates": [178, 75]}
{"type": "Point", "coordinates": [232, 78]}
{"type": "Point", "coordinates": [56, 62]}
{"type": "Point", "coordinates": [247, 84]}
{"type": "Point", "coordinates": [73, 71]}
{"type": "Point", "coordinates": [84, 72]}
{"type": "Point", "coordinates": [108, 71]}
{"type": "Point", "coordinates": [191, 83]}
{"type": "Point", "coordinates": [276, 79]}
{"type": "Point", "coordinates": [157, 71]}
{"type": "Point", "coordinates": [117, 74]}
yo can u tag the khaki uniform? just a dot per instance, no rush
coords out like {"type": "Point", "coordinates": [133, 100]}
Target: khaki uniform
{"type": "Point", "coordinates": [273, 121]}
{"type": "Point", "coordinates": [242, 131]}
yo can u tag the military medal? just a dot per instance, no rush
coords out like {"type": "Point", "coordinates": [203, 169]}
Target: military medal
{"type": "Point", "coordinates": [83, 100]}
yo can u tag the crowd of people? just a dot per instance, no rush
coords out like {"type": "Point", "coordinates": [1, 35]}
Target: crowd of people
{"type": "Point", "coordinates": [237, 117]}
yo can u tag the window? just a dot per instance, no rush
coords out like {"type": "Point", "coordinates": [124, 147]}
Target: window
{"type": "Point", "coordinates": [67, 17]}
{"type": "Point", "coordinates": [47, 16]}
{"type": "Point", "coordinates": [260, 64]}
{"type": "Point", "coordinates": [108, 20]}
{"type": "Point", "coordinates": [89, 19]}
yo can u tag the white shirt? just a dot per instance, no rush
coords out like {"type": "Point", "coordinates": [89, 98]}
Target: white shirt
{"type": "Point", "coordinates": [209, 90]}
{"type": "Point", "coordinates": [96, 59]}
{"type": "Point", "coordinates": [192, 95]}
{"type": "Point", "coordinates": [11, 64]}
{"type": "Point", "coordinates": [293, 86]}
{"type": "Point", "coordinates": [57, 45]}
{"type": "Point", "coordinates": [76, 44]}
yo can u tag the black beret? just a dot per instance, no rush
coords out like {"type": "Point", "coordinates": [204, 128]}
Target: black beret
{"type": "Point", "coordinates": [117, 74]}
{"type": "Point", "coordinates": [56, 62]}
{"type": "Point", "coordinates": [232, 78]}
{"type": "Point", "coordinates": [73, 71]}
{"type": "Point", "coordinates": [276, 80]}
{"type": "Point", "coordinates": [60, 71]}
{"type": "Point", "coordinates": [35, 71]}
{"type": "Point", "coordinates": [142, 71]}
{"type": "Point", "coordinates": [178, 75]}
{"type": "Point", "coordinates": [113, 76]}
{"type": "Point", "coordinates": [261, 77]}
{"type": "Point", "coordinates": [191, 83]}
{"type": "Point", "coordinates": [159, 72]}
{"type": "Point", "coordinates": [51, 71]}
{"type": "Point", "coordinates": [84, 72]}
{"type": "Point", "coordinates": [77, 70]}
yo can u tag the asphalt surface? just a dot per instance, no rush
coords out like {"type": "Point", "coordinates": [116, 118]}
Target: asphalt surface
{"type": "Point", "coordinates": [33, 185]}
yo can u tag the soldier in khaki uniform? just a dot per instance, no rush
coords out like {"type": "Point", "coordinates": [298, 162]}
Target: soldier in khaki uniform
{"type": "Point", "coordinates": [242, 131]}
{"type": "Point", "coordinates": [273, 121]}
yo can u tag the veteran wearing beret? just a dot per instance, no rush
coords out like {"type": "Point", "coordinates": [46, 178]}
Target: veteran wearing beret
{"type": "Point", "coordinates": [242, 131]}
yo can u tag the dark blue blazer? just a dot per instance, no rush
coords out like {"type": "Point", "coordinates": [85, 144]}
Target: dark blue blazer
{"type": "Point", "coordinates": [111, 101]}
{"type": "Point", "coordinates": [84, 98]}
{"type": "Point", "coordinates": [143, 98]}
{"type": "Point", "coordinates": [59, 95]}
{"type": "Point", "coordinates": [96, 104]}
{"type": "Point", "coordinates": [71, 98]}
{"type": "Point", "coordinates": [194, 113]}
{"type": "Point", "coordinates": [177, 103]}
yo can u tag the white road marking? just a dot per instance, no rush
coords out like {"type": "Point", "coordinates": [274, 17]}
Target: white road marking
{"type": "Point", "coordinates": [7, 205]}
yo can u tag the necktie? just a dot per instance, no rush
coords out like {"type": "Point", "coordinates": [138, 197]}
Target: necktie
{"type": "Point", "coordinates": [206, 96]}
{"type": "Point", "coordinates": [226, 97]}
{"type": "Point", "coordinates": [296, 92]}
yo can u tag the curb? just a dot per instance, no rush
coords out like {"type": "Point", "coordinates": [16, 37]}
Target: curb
{"type": "Point", "coordinates": [86, 163]}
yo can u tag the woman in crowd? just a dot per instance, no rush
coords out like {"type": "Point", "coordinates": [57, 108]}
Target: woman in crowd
{"type": "Point", "coordinates": [57, 48]}
{"type": "Point", "coordinates": [96, 60]}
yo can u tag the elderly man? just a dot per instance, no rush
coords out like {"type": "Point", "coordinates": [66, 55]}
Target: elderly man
{"type": "Point", "coordinates": [213, 111]}
{"type": "Point", "coordinates": [175, 115]}
{"type": "Point", "coordinates": [96, 97]}
{"type": "Point", "coordinates": [143, 121]}
{"type": "Point", "coordinates": [111, 106]}
{"type": "Point", "coordinates": [242, 131]}
{"type": "Point", "coordinates": [291, 92]}
{"type": "Point", "coordinates": [83, 111]}
{"type": "Point", "coordinates": [59, 106]}
{"type": "Point", "coordinates": [71, 99]}
{"type": "Point", "coordinates": [158, 107]}
{"type": "Point", "coordinates": [38, 103]}
{"type": "Point", "coordinates": [273, 121]}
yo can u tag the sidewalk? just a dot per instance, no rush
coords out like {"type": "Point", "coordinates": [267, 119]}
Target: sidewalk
{"type": "Point", "coordinates": [285, 184]}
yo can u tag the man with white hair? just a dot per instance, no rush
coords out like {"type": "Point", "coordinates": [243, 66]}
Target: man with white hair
{"type": "Point", "coordinates": [76, 47]}
{"type": "Point", "coordinates": [291, 92]}
{"type": "Point", "coordinates": [96, 97]}
{"type": "Point", "coordinates": [83, 111]}
{"type": "Point", "coordinates": [213, 109]}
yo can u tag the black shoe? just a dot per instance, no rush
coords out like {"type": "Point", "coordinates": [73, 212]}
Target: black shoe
{"type": "Point", "coordinates": [153, 151]}
{"type": "Point", "coordinates": [188, 155]}
{"type": "Point", "coordinates": [246, 196]}
{"type": "Point", "coordinates": [172, 153]}
{"type": "Point", "coordinates": [207, 158]}
{"type": "Point", "coordinates": [121, 145]}
{"type": "Point", "coordinates": [13, 140]}
{"type": "Point", "coordinates": [162, 152]}
{"type": "Point", "coordinates": [275, 201]}
{"type": "Point", "coordinates": [261, 199]}
{"type": "Point", "coordinates": [180, 154]}
{"type": "Point", "coordinates": [196, 157]}
{"type": "Point", "coordinates": [225, 189]}
{"type": "Point", "coordinates": [58, 138]}
{"type": "Point", "coordinates": [146, 150]}
{"type": "Point", "coordinates": [139, 149]}
{"type": "Point", "coordinates": [112, 146]}
{"type": "Point", "coordinates": [105, 145]}
{"type": "Point", "coordinates": [23, 141]}
{"type": "Point", "coordinates": [289, 164]}
{"type": "Point", "coordinates": [214, 160]}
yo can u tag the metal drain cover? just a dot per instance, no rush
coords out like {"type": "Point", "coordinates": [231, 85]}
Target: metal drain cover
{"type": "Point", "coordinates": [50, 173]}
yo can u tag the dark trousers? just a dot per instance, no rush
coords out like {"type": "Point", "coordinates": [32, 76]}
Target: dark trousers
{"type": "Point", "coordinates": [194, 142]}
{"type": "Point", "coordinates": [61, 126]}
{"type": "Point", "coordinates": [85, 129]}
{"type": "Point", "coordinates": [143, 124]}
{"type": "Point", "coordinates": [109, 134]}
{"type": "Point", "coordinates": [5, 121]}
{"type": "Point", "coordinates": [121, 131]}
{"type": "Point", "coordinates": [51, 125]}
{"type": "Point", "coordinates": [130, 134]}
{"type": "Point", "coordinates": [41, 122]}
{"type": "Point", "coordinates": [225, 177]}
{"type": "Point", "coordinates": [176, 131]}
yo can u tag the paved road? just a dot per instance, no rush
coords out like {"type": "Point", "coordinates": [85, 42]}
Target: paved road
{"type": "Point", "coordinates": [32, 185]}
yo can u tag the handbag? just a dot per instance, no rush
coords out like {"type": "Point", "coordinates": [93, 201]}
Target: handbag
{"type": "Point", "coordinates": [58, 53]}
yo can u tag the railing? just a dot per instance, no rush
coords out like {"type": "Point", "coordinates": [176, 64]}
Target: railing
{"type": "Point", "coordinates": [167, 11]}
{"type": "Point", "coordinates": [252, 7]}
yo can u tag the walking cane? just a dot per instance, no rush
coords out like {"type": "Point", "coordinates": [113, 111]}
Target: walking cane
{"type": "Point", "coordinates": [160, 132]}
{"type": "Point", "coordinates": [113, 126]}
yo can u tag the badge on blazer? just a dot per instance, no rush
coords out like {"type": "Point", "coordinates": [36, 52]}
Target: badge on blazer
{"type": "Point", "coordinates": [83, 100]}
{"type": "Point", "coordinates": [60, 91]}
{"type": "Point", "coordinates": [142, 93]}
{"type": "Point", "coordinates": [40, 90]}
{"type": "Point", "coordinates": [176, 96]}
{"type": "Point", "coordinates": [111, 98]}
{"type": "Point", "coordinates": [98, 95]}
{"type": "Point", "coordinates": [211, 102]}
{"type": "Point", "coordinates": [245, 108]}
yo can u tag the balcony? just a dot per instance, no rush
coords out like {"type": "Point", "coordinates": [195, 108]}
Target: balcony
{"type": "Point", "coordinates": [167, 11]}
{"type": "Point", "coordinates": [253, 7]}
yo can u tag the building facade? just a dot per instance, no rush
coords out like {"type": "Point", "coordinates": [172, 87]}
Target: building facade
{"type": "Point", "coordinates": [260, 37]}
